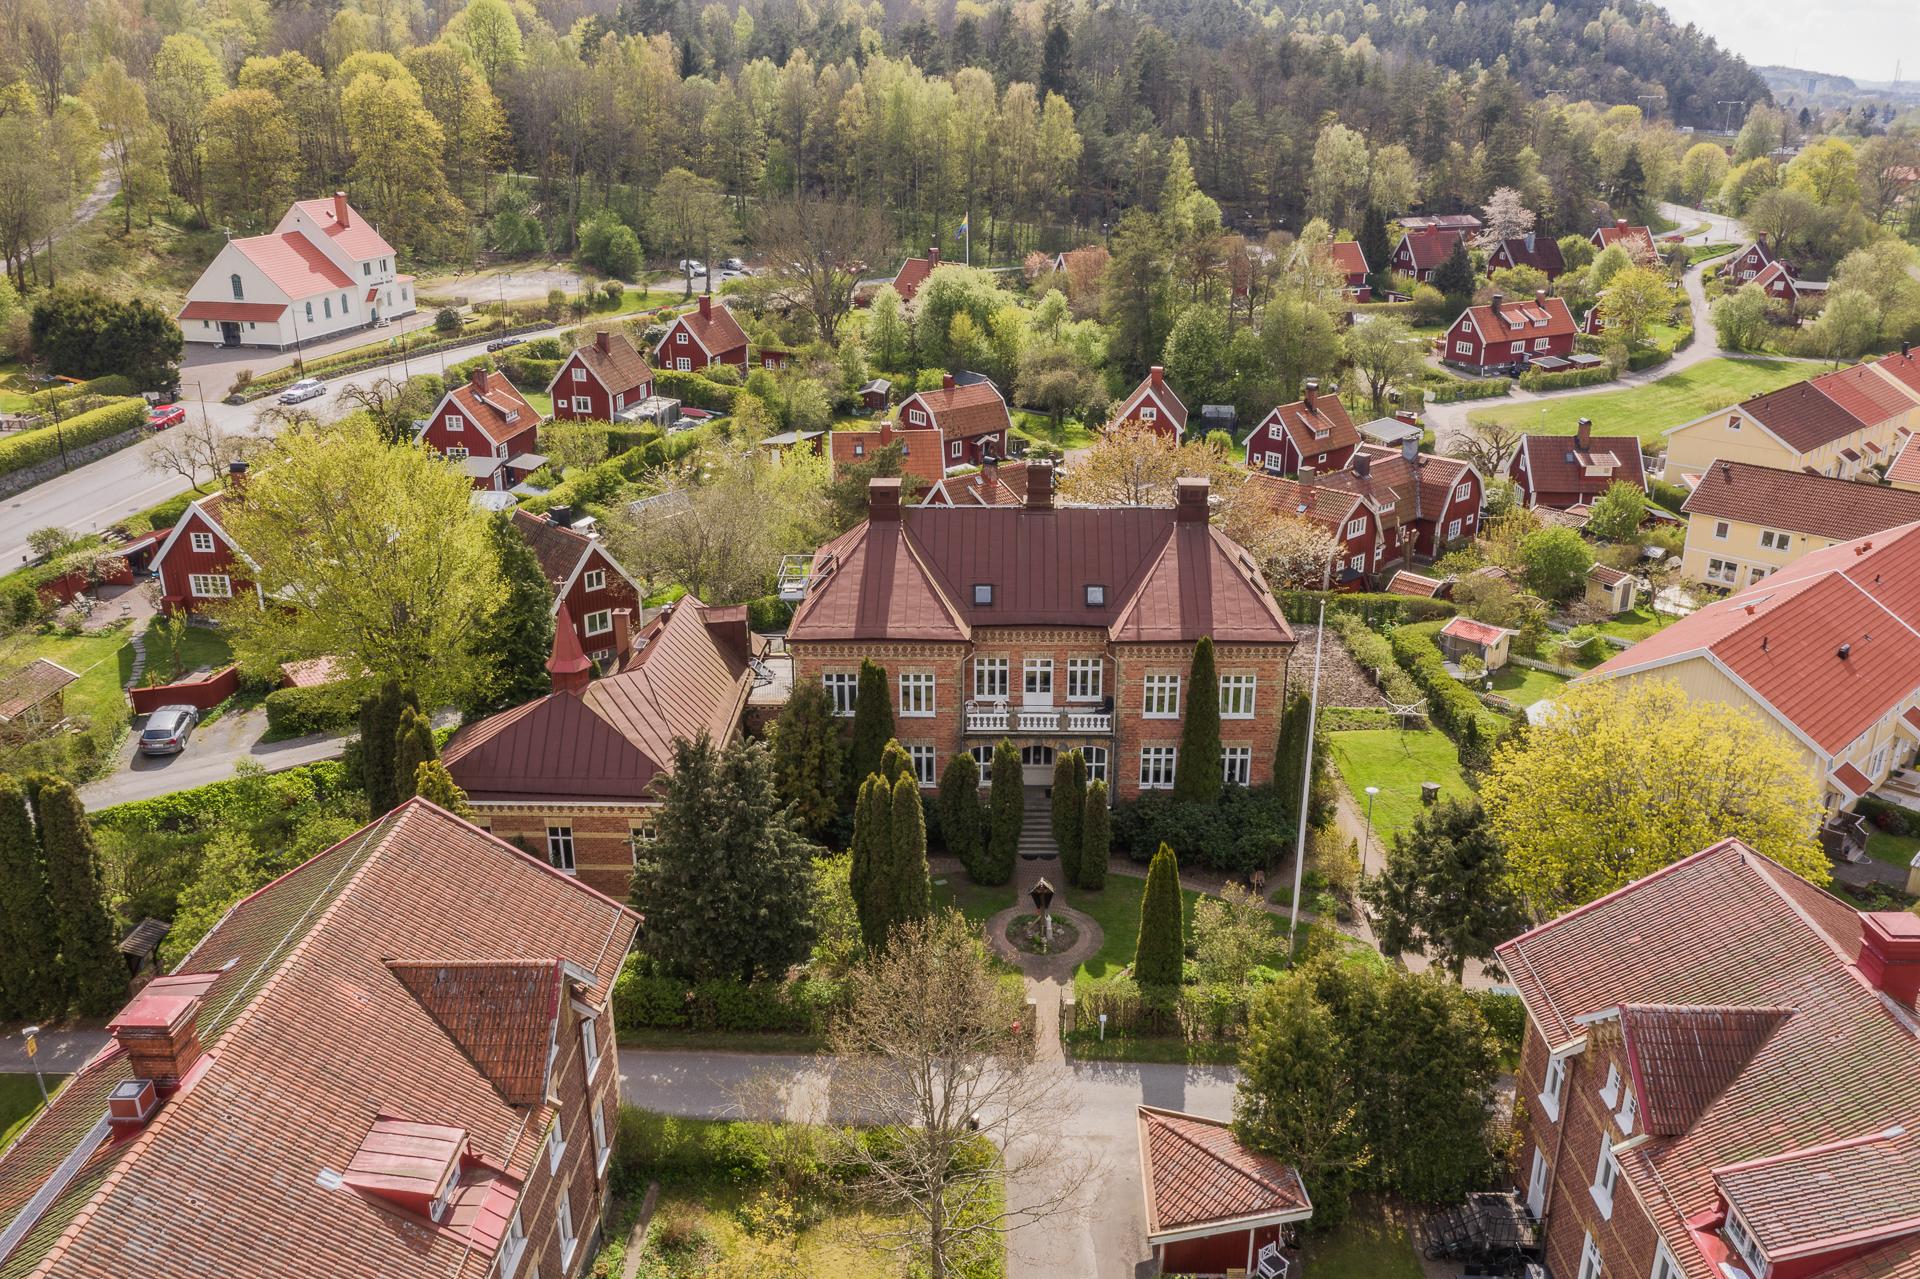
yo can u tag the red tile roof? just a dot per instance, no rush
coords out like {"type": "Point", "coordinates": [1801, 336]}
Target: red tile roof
{"type": "Point", "coordinates": [1001, 484]}
{"type": "Point", "coordinates": [1430, 247]}
{"type": "Point", "coordinates": [496, 1010]}
{"type": "Point", "coordinates": [1683, 1056]}
{"type": "Point", "coordinates": [1838, 1063]}
{"type": "Point", "coordinates": [1869, 397]}
{"type": "Point", "coordinates": [1782, 637]}
{"type": "Point", "coordinates": [1637, 240]}
{"type": "Point", "coordinates": [559, 549]}
{"type": "Point", "coordinates": [1904, 369]}
{"type": "Point", "coordinates": [921, 452]}
{"type": "Point", "coordinates": [1904, 470]}
{"type": "Point", "coordinates": [1404, 582]}
{"type": "Point", "coordinates": [494, 406]}
{"type": "Point", "coordinates": [1484, 634]}
{"type": "Point", "coordinates": [713, 327]}
{"type": "Point", "coordinates": [1391, 483]}
{"type": "Point", "coordinates": [237, 312]}
{"type": "Point", "coordinates": [1559, 464]}
{"type": "Point", "coordinates": [1524, 318]}
{"type": "Point", "coordinates": [1852, 779]}
{"type": "Point", "coordinates": [621, 368]}
{"type": "Point", "coordinates": [1316, 425]}
{"type": "Point", "coordinates": [1792, 500]}
{"type": "Point", "coordinates": [357, 239]}
{"type": "Point", "coordinates": [293, 264]}
{"type": "Point", "coordinates": [1862, 1191]}
{"type": "Point", "coordinates": [309, 1040]}
{"type": "Point", "coordinates": [913, 273]}
{"type": "Point", "coordinates": [961, 411]}
{"type": "Point", "coordinates": [611, 741]}
{"type": "Point", "coordinates": [1326, 506]}
{"type": "Point", "coordinates": [1194, 1173]}
{"type": "Point", "coordinates": [1608, 575]}
{"type": "Point", "coordinates": [1153, 386]}
{"type": "Point", "coordinates": [1348, 257]}
{"type": "Point", "coordinates": [1802, 415]}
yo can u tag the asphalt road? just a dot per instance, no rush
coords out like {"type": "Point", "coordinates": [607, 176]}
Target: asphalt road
{"type": "Point", "coordinates": [1108, 1238]}
{"type": "Point", "coordinates": [211, 754]}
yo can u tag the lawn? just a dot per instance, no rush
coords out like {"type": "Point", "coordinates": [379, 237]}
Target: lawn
{"type": "Point", "coordinates": [1397, 762]}
{"type": "Point", "coordinates": [19, 1102]}
{"type": "Point", "coordinates": [1370, 1244]}
{"type": "Point", "coordinates": [201, 648]}
{"type": "Point", "coordinates": [1649, 410]}
{"type": "Point", "coordinates": [1894, 850]}
{"type": "Point", "coordinates": [1523, 686]}
{"type": "Point", "coordinates": [1040, 430]}
{"type": "Point", "coordinates": [102, 661]}
{"type": "Point", "coordinates": [542, 402]}
{"type": "Point", "coordinates": [1637, 623]}
{"type": "Point", "coordinates": [13, 388]}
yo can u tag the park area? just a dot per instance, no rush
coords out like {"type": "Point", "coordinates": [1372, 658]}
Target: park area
{"type": "Point", "coordinates": [1647, 411]}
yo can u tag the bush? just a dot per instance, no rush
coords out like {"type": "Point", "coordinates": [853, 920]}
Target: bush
{"type": "Point", "coordinates": [1373, 607]}
{"type": "Point", "coordinates": [1669, 496]}
{"type": "Point", "coordinates": [30, 448]}
{"type": "Point", "coordinates": [1890, 818]}
{"type": "Point", "coordinates": [168, 513]}
{"type": "Point", "coordinates": [1532, 381]}
{"type": "Point", "coordinates": [326, 708]}
{"type": "Point", "coordinates": [695, 390]}
{"type": "Point", "coordinates": [529, 372]}
{"type": "Point", "coordinates": [643, 1001]}
{"type": "Point", "coordinates": [1450, 705]}
{"type": "Point", "coordinates": [1247, 830]}
{"type": "Point", "coordinates": [446, 320]}
{"type": "Point", "coordinates": [204, 807]}
{"type": "Point", "coordinates": [112, 386]}
{"type": "Point", "coordinates": [769, 614]}
{"type": "Point", "coordinates": [1372, 650]}
{"type": "Point", "coordinates": [1459, 389]}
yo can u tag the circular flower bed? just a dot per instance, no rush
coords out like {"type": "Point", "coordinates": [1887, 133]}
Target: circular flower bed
{"type": "Point", "coordinates": [1025, 933]}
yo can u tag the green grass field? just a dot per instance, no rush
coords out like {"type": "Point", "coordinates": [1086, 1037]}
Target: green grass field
{"type": "Point", "coordinates": [1039, 428]}
{"type": "Point", "coordinates": [1894, 850]}
{"type": "Point", "coordinates": [19, 1102]}
{"type": "Point", "coordinates": [1370, 1244]}
{"type": "Point", "coordinates": [1648, 410]}
{"type": "Point", "coordinates": [1397, 762]}
{"type": "Point", "coordinates": [1637, 623]}
{"type": "Point", "coordinates": [1523, 686]}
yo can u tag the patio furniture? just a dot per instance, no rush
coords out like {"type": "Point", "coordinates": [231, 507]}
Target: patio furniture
{"type": "Point", "coordinates": [1491, 1231]}
{"type": "Point", "coordinates": [1270, 1264]}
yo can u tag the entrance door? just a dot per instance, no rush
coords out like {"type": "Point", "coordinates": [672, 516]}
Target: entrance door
{"type": "Point", "coordinates": [1036, 683]}
{"type": "Point", "coordinates": [1537, 1185]}
{"type": "Point", "coordinates": [229, 333]}
{"type": "Point", "coordinates": [1036, 765]}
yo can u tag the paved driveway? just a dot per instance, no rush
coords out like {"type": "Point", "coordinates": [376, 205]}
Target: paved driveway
{"type": "Point", "coordinates": [210, 756]}
{"type": "Point", "coordinates": [1108, 1239]}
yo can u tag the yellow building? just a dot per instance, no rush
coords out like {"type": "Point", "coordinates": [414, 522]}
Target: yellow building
{"type": "Point", "coordinates": [1745, 522]}
{"type": "Point", "coordinates": [1839, 424]}
{"type": "Point", "coordinates": [1827, 650]}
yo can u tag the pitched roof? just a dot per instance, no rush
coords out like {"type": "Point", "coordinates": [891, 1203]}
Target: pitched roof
{"type": "Point", "coordinates": [1152, 386]}
{"type": "Point", "coordinates": [1904, 369]}
{"type": "Point", "coordinates": [494, 406]}
{"type": "Point", "coordinates": [619, 367]}
{"type": "Point", "coordinates": [31, 685]}
{"type": "Point", "coordinates": [1865, 394]}
{"type": "Point", "coordinates": [1431, 246]}
{"type": "Point", "coordinates": [357, 239]}
{"type": "Point", "coordinates": [920, 450]}
{"type": "Point", "coordinates": [1783, 636]}
{"type": "Point", "coordinates": [914, 577]}
{"type": "Point", "coordinates": [1325, 506]}
{"type": "Point", "coordinates": [999, 484]}
{"type": "Point", "coordinates": [310, 1039]}
{"type": "Point", "coordinates": [1527, 318]}
{"type": "Point", "coordinates": [1864, 1192]}
{"type": "Point", "coordinates": [1349, 257]}
{"type": "Point", "coordinates": [1195, 1174]}
{"type": "Point", "coordinates": [237, 312]}
{"type": "Point", "coordinates": [912, 274]}
{"type": "Point", "coordinates": [1396, 488]}
{"type": "Point", "coordinates": [1774, 970]}
{"type": "Point", "coordinates": [1558, 464]}
{"type": "Point", "coordinates": [557, 547]}
{"type": "Point", "coordinates": [1316, 425]}
{"type": "Point", "coordinates": [613, 739]}
{"type": "Point", "coordinates": [1465, 628]}
{"type": "Point", "coordinates": [1542, 252]}
{"type": "Point", "coordinates": [496, 1010]}
{"type": "Point", "coordinates": [1630, 238]}
{"type": "Point", "coordinates": [1608, 575]}
{"type": "Point", "coordinates": [1817, 504]}
{"type": "Point", "coordinates": [713, 327]}
{"type": "Point", "coordinates": [1406, 582]}
{"type": "Point", "coordinates": [1904, 470]}
{"type": "Point", "coordinates": [961, 411]}
{"type": "Point", "coordinates": [292, 263]}
{"type": "Point", "coordinates": [1803, 415]}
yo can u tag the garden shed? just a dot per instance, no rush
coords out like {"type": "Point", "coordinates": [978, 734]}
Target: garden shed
{"type": "Point", "coordinates": [1462, 637]}
{"type": "Point", "coordinates": [1212, 1204]}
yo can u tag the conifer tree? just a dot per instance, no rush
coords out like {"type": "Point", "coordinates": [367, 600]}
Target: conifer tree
{"type": "Point", "coordinates": [807, 758]}
{"type": "Point", "coordinates": [412, 747]}
{"type": "Point", "coordinates": [1161, 950]}
{"type": "Point", "coordinates": [516, 636]}
{"type": "Point", "coordinates": [911, 895]}
{"type": "Point", "coordinates": [1373, 243]}
{"type": "Point", "coordinates": [961, 819]}
{"type": "Point", "coordinates": [29, 946]}
{"type": "Point", "coordinates": [1069, 803]}
{"type": "Point", "coordinates": [93, 975]}
{"type": "Point", "coordinates": [1006, 809]}
{"type": "Point", "coordinates": [895, 763]}
{"type": "Point", "coordinates": [379, 732]}
{"type": "Point", "coordinates": [1454, 276]}
{"type": "Point", "coordinates": [1196, 775]}
{"type": "Point", "coordinates": [432, 781]}
{"type": "Point", "coordinates": [1096, 838]}
{"type": "Point", "coordinates": [872, 844]}
{"type": "Point", "coordinates": [872, 725]}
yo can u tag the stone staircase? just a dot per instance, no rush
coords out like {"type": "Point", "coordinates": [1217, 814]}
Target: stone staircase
{"type": "Point", "coordinates": [1036, 827]}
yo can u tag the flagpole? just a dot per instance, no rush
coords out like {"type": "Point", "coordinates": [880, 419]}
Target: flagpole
{"type": "Point", "coordinates": [966, 225]}
{"type": "Point", "coordinates": [1306, 782]}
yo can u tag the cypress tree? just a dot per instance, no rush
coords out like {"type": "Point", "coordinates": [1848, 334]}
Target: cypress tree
{"type": "Point", "coordinates": [807, 758]}
{"type": "Point", "coordinates": [30, 969]}
{"type": "Point", "coordinates": [961, 820]}
{"type": "Point", "coordinates": [872, 849]}
{"type": "Point", "coordinates": [1196, 774]}
{"type": "Point", "coordinates": [895, 763]}
{"type": "Point", "coordinates": [1069, 803]}
{"type": "Point", "coordinates": [912, 889]}
{"type": "Point", "coordinates": [1454, 276]}
{"type": "Point", "coordinates": [872, 724]}
{"type": "Point", "coordinates": [516, 638]}
{"type": "Point", "coordinates": [1161, 950]}
{"type": "Point", "coordinates": [1006, 809]}
{"type": "Point", "coordinates": [432, 781]}
{"type": "Point", "coordinates": [379, 731]}
{"type": "Point", "coordinates": [93, 974]}
{"type": "Point", "coordinates": [1096, 838]}
{"type": "Point", "coordinates": [1373, 244]}
{"type": "Point", "coordinates": [412, 747]}
{"type": "Point", "coordinates": [1291, 753]}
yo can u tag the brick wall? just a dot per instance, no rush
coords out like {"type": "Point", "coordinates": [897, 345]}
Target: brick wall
{"type": "Point", "coordinates": [578, 1173]}
{"type": "Point", "coordinates": [602, 836]}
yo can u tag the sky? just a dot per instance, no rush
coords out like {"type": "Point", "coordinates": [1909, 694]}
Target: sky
{"type": "Point", "coordinates": [1858, 38]}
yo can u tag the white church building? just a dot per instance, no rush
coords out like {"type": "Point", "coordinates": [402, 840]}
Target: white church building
{"type": "Point", "coordinates": [324, 270]}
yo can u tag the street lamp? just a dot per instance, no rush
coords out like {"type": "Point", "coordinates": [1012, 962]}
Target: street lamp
{"type": "Point", "coordinates": [1371, 792]}
{"type": "Point", "coordinates": [32, 1035]}
{"type": "Point", "coordinates": [1042, 894]}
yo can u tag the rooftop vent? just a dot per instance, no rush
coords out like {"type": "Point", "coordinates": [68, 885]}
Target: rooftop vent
{"type": "Point", "coordinates": [1844, 651]}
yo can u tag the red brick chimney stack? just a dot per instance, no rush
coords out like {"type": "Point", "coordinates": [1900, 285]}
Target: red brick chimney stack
{"type": "Point", "coordinates": [933, 256]}
{"type": "Point", "coordinates": [623, 633]}
{"type": "Point", "coordinates": [1039, 486]}
{"type": "Point", "coordinates": [1583, 433]}
{"type": "Point", "coordinates": [1309, 389]}
{"type": "Point", "coordinates": [236, 476]}
{"type": "Point", "coordinates": [159, 1031]}
{"type": "Point", "coordinates": [706, 305]}
{"type": "Point", "coordinates": [1890, 953]}
{"type": "Point", "coordinates": [478, 378]}
{"type": "Point", "coordinates": [883, 500]}
{"type": "Point", "coordinates": [341, 213]}
{"type": "Point", "coordinates": [1190, 499]}
{"type": "Point", "coordinates": [1158, 376]}
{"type": "Point", "coordinates": [1620, 224]}
{"type": "Point", "coordinates": [603, 342]}
{"type": "Point", "coordinates": [946, 381]}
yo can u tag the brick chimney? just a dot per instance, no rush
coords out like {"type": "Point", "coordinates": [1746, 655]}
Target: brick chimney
{"type": "Point", "coordinates": [883, 499]}
{"type": "Point", "coordinates": [1309, 389]}
{"type": "Point", "coordinates": [478, 378]}
{"type": "Point", "coordinates": [933, 256]}
{"type": "Point", "coordinates": [1190, 499]}
{"type": "Point", "coordinates": [1619, 224]}
{"type": "Point", "coordinates": [623, 633]}
{"type": "Point", "coordinates": [569, 666]}
{"type": "Point", "coordinates": [1540, 297]}
{"type": "Point", "coordinates": [236, 475]}
{"type": "Point", "coordinates": [159, 1032]}
{"type": "Point", "coordinates": [946, 381]}
{"type": "Point", "coordinates": [603, 342]}
{"type": "Point", "coordinates": [1583, 434]}
{"type": "Point", "coordinates": [706, 305]}
{"type": "Point", "coordinates": [1157, 376]}
{"type": "Point", "coordinates": [341, 213]}
{"type": "Point", "coordinates": [1890, 953]}
{"type": "Point", "coordinates": [1039, 486]}
{"type": "Point", "coordinates": [1362, 465]}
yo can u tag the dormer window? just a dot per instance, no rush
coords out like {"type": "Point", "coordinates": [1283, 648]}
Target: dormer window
{"type": "Point", "coordinates": [982, 595]}
{"type": "Point", "coordinates": [438, 1208]}
{"type": "Point", "coordinates": [1096, 596]}
{"type": "Point", "coordinates": [1611, 1093]}
{"type": "Point", "coordinates": [1744, 1243]}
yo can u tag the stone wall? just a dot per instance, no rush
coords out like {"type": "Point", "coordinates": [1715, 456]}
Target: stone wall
{"type": "Point", "coordinates": [22, 480]}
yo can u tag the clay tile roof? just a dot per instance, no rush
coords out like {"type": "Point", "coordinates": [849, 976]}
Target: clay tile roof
{"type": "Point", "coordinates": [1404, 582]}
{"type": "Point", "coordinates": [1348, 256]}
{"type": "Point", "coordinates": [1195, 1173]}
{"type": "Point", "coordinates": [920, 450]}
{"type": "Point", "coordinates": [239, 312]}
{"type": "Point", "coordinates": [1482, 633]}
{"type": "Point", "coordinates": [1557, 464]}
{"type": "Point", "coordinates": [500, 412]}
{"type": "Point", "coordinates": [717, 331]}
{"type": "Point", "coordinates": [498, 1011]}
{"type": "Point", "coordinates": [31, 685]}
{"type": "Point", "coordinates": [1803, 415]}
{"type": "Point", "coordinates": [293, 264]}
{"type": "Point", "coordinates": [358, 239]}
{"type": "Point", "coordinates": [557, 547]}
{"type": "Point", "coordinates": [1816, 504]}
{"type": "Point", "coordinates": [310, 1041]}
{"type": "Point", "coordinates": [1005, 484]}
{"type": "Point", "coordinates": [311, 672]}
{"type": "Point", "coordinates": [1864, 394]}
{"type": "Point", "coordinates": [1855, 782]}
{"type": "Point", "coordinates": [1904, 369]}
{"type": "Point", "coordinates": [962, 411]}
{"type": "Point", "coordinates": [620, 367]}
{"type": "Point", "coordinates": [398, 1155]}
{"type": "Point", "coordinates": [1607, 575]}
{"type": "Point", "coordinates": [1683, 1057]}
{"type": "Point", "coordinates": [1828, 1198]}
{"type": "Point", "coordinates": [1524, 317]}
{"type": "Point", "coordinates": [912, 274]}
{"type": "Point", "coordinates": [1631, 238]}
{"type": "Point", "coordinates": [1161, 394]}
{"type": "Point", "coordinates": [1319, 427]}
{"type": "Point", "coordinates": [1325, 505]}
{"type": "Point", "coordinates": [1431, 246]}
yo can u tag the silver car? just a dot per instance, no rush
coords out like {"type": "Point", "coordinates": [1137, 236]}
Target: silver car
{"type": "Point", "coordinates": [168, 729]}
{"type": "Point", "coordinates": [305, 389]}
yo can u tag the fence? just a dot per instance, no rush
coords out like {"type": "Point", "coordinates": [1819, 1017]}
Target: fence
{"type": "Point", "coordinates": [202, 693]}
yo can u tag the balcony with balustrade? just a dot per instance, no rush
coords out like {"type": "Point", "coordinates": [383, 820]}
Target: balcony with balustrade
{"type": "Point", "coordinates": [1000, 718]}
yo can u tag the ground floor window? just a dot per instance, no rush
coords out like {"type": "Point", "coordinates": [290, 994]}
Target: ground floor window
{"type": "Point", "coordinates": [922, 757]}
{"type": "Point", "coordinates": [1726, 572]}
{"type": "Point", "coordinates": [1036, 756]}
{"type": "Point", "coordinates": [842, 689]}
{"type": "Point", "coordinates": [1096, 757]}
{"type": "Point", "coordinates": [983, 760]}
{"type": "Point", "coordinates": [1236, 765]}
{"type": "Point", "coordinates": [212, 586]}
{"type": "Point", "coordinates": [1156, 766]}
{"type": "Point", "coordinates": [560, 846]}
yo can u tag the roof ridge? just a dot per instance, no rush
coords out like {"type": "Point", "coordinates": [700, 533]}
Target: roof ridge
{"type": "Point", "coordinates": [1166, 1116]}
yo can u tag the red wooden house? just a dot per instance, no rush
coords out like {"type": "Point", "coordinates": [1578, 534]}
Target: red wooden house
{"type": "Point", "coordinates": [1784, 285]}
{"type": "Point", "coordinates": [198, 564]}
{"type": "Point", "coordinates": [1351, 261]}
{"type": "Point", "coordinates": [1313, 431]}
{"type": "Point", "coordinates": [1636, 240]}
{"type": "Point", "coordinates": [972, 418]}
{"type": "Point", "coordinates": [1541, 252]}
{"type": "Point", "coordinates": [914, 272]}
{"type": "Point", "coordinates": [1213, 1206]}
{"type": "Point", "coordinates": [1753, 258]}
{"type": "Point", "coordinates": [921, 454]}
{"type": "Point", "coordinates": [1420, 252]}
{"type": "Point", "coordinates": [486, 427]}
{"type": "Point", "coordinates": [1426, 504]}
{"type": "Point", "coordinates": [1153, 407]}
{"type": "Point", "coordinates": [772, 360]}
{"type": "Point", "coordinates": [600, 379]}
{"type": "Point", "coordinates": [1343, 515]}
{"type": "Point", "coordinates": [1559, 471]}
{"type": "Point", "coordinates": [1502, 334]}
{"type": "Point", "coordinates": [708, 334]}
{"type": "Point", "coordinates": [588, 584]}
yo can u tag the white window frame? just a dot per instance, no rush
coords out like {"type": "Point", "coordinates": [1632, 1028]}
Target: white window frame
{"type": "Point", "coordinates": [1357, 528]}
{"type": "Point", "coordinates": [556, 1146]}
{"type": "Point", "coordinates": [562, 854]}
{"type": "Point", "coordinates": [983, 761]}
{"type": "Point", "coordinates": [683, 364]}
{"type": "Point", "coordinates": [210, 586]}
{"type": "Point", "coordinates": [1149, 414]}
{"type": "Point", "coordinates": [1238, 693]}
{"type": "Point", "coordinates": [1774, 540]}
{"type": "Point", "coordinates": [1610, 1091]}
{"type": "Point", "coordinates": [1453, 529]}
{"type": "Point", "coordinates": [1096, 757]}
{"type": "Point", "coordinates": [513, 1246]}
{"type": "Point", "coordinates": [1723, 572]}
{"type": "Point", "coordinates": [594, 579]}
{"type": "Point", "coordinates": [923, 765]}
{"type": "Point", "coordinates": [1236, 765]}
{"type": "Point", "coordinates": [602, 1148]}
{"type": "Point", "coordinates": [590, 1043]}
{"type": "Point", "coordinates": [1157, 767]}
{"type": "Point", "coordinates": [1086, 679]}
{"type": "Point", "coordinates": [569, 1238]}
{"type": "Point", "coordinates": [916, 694]}
{"type": "Point", "coordinates": [1606, 1180]}
{"type": "Point", "coordinates": [1720, 530]}
{"type": "Point", "coordinates": [202, 543]}
{"type": "Point", "coordinates": [1036, 677]}
{"type": "Point", "coordinates": [843, 692]}
{"type": "Point", "coordinates": [600, 621]}
{"type": "Point", "coordinates": [1463, 348]}
{"type": "Point", "coordinates": [455, 422]}
{"type": "Point", "coordinates": [457, 454]}
{"type": "Point", "coordinates": [990, 679]}
{"type": "Point", "coordinates": [1160, 697]}
{"type": "Point", "coordinates": [1664, 1266]}
{"type": "Point", "coordinates": [1744, 1243]}
{"type": "Point", "coordinates": [1359, 562]}
{"type": "Point", "coordinates": [680, 338]}
{"type": "Point", "coordinates": [579, 374]}
{"type": "Point", "coordinates": [917, 418]}
{"type": "Point", "coordinates": [582, 404]}
{"type": "Point", "coordinates": [1591, 1264]}
{"type": "Point", "coordinates": [1629, 1112]}
{"type": "Point", "coordinates": [1553, 1087]}
{"type": "Point", "coordinates": [959, 449]}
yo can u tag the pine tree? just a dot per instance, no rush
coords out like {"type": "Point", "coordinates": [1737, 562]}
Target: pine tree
{"type": "Point", "coordinates": [1454, 276]}
{"type": "Point", "coordinates": [93, 975]}
{"type": "Point", "coordinates": [1196, 776]}
{"type": "Point", "coordinates": [912, 894]}
{"type": "Point", "coordinates": [412, 747]}
{"type": "Point", "coordinates": [432, 782]}
{"type": "Point", "coordinates": [1096, 838]}
{"type": "Point", "coordinates": [872, 725]}
{"type": "Point", "coordinates": [1069, 803]}
{"type": "Point", "coordinates": [516, 637]}
{"type": "Point", "coordinates": [1161, 951]}
{"type": "Point", "coordinates": [807, 758]}
{"type": "Point", "coordinates": [961, 819]}
{"type": "Point", "coordinates": [379, 731]}
{"type": "Point", "coordinates": [1006, 810]}
{"type": "Point", "coordinates": [29, 946]}
{"type": "Point", "coordinates": [1373, 243]}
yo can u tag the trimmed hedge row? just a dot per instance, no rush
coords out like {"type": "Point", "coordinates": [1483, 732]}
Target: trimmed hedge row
{"type": "Point", "coordinates": [112, 386]}
{"type": "Point", "coordinates": [324, 708]}
{"type": "Point", "coordinates": [1215, 1013]}
{"type": "Point", "coordinates": [1371, 649]}
{"type": "Point", "coordinates": [529, 373]}
{"type": "Point", "coordinates": [205, 806]}
{"type": "Point", "coordinates": [691, 388]}
{"type": "Point", "coordinates": [1373, 607]}
{"type": "Point", "coordinates": [30, 448]}
{"type": "Point", "coordinates": [1531, 381]}
{"type": "Point", "coordinates": [1450, 704]}
{"type": "Point", "coordinates": [798, 1007]}
{"type": "Point", "coordinates": [1483, 389]}
{"type": "Point", "coordinates": [167, 514]}
{"type": "Point", "coordinates": [1248, 829]}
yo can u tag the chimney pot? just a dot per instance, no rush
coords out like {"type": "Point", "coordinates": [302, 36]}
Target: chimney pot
{"type": "Point", "coordinates": [1190, 493]}
{"type": "Point", "coordinates": [1310, 388]}
{"type": "Point", "coordinates": [1540, 296]}
{"type": "Point", "coordinates": [603, 342]}
{"type": "Point", "coordinates": [1362, 465]}
{"type": "Point", "coordinates": [1583, 433]}
{"type": "Point", "coordinates": [946, 381]}
{"type": "Point", "coordinates": [883, 499]}
{"type": "Point", "coordinates": [1039, 486]}
{"type": "Point", "coordinates": [341, 213]}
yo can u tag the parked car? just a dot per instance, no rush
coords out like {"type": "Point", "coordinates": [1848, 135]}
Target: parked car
{"type": "Point", "coordinates": [692, 266]}
{"type": "Point", "coordinates": [501, 344]}
{"type": "Point", "coordinates": [306, 388]}
{"type": "Point", "coordinates": [168, 729]}
{"type": "Point", "coordinates": [734, 264]}
{"type": "Point", "coordinates": [161, 418]}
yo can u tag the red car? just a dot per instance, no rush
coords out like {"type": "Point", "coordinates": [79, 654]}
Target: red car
{"type": "Point", "coordinates": [167, 415]}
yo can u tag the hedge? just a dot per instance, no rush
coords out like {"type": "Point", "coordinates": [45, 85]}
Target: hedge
{"type": "Point", "coordinates": [1372, 650]}
{"type": "Point", "coordinates": [1246, 830]}
{"type": "Point", "coordinates": [112, 386]}
{"type": "Point", "coordinates": [691, 388]}
{"type": "Point", "coordinates": [30, 448]}
{"type": "Point", "coordinates": [1214, 1013]}
{"type": "Point", "coordinates": [1373, 607]}
{"type": "Point", "coordinates": [1450, 704]}
{"type": "Point", "coordinates": [769, 614]}
{"type": "Point", "coordinates": [1533, 381]}
{"type": "Point", "coordinates": [168, 513]}
{"type": "Point", "coordinates": [644, 1002]}
{"type": "Point", "coordinates": [324, 708]}
{"type": "Point", "coordinates": [373, 356]}
{"type": "Point", "coordinates": [1670, 496]}
{"type": "Point", "coordinates": [1890, 818]}
{"type": "Point", "coordinates": [1482, 389]}
{"type": "Point", "coordinates": [529, 373]}
{"type": "Point", "coordinates": [206, 806]}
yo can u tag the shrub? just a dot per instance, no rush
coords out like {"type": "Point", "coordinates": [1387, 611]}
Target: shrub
{"type": "Point", "coordinates": [447, 320]}
{"type": "Point", "coordinates": [769, 614]}
{"type": "Point", "coordinates": [1373, 607]}
{"type": "Point", "coordinates": [1890, 818]}
{"type": "Point", "coordinates": [1534, 381]}
{"type": "Point", "coordinates": [1483, 389]}
{"type": "Point", "coordinates": [326, 708]}
{"type": "Point", "coordinates": [168, 513]}
{"type": "Point", "coordinates": [1246, 830]}
{"type": "Point", "coordinates": [695, 390]}
{"type": "Point", "coordinates": [1670, 496]}
{"type": "Point", "coordinates": [528, 372]}
{"type": "Point", "coordinates": [646, 1001]}
{"type": "Point", "coordinates": [112, 386]}
{"type": "Point", "coordinates": [30, 448]}
{"type": "Point", "coordinates": [1371, 650]}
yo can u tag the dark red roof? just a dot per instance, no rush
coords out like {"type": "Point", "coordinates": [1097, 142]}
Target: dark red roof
{"type": "Point", "coordinates": [1803, 415]}
{"type": "Point", "coordinates": [1683, 1056]}
{"type": "Point", "coordinates": [1398, 491]}
{"type": "Point", "coordinates": [1348, 257]}
{"type": "Point", "coordinates": [1153, 386]}
{"type": "Point", "coordinates": [1527, 318]}
{"type": "Point", "coordinates": [997, 484]}
{"type": "Point", "coordinates": [1430, 247]}
{"type": "Point", "coordinates": [1326, 506]}
{"type": "Point", "coordinates": [1194, 1173]}
{"type": "Point", "coordinates": [1904, 369]}
{"type": "Point", "coordinates": [494, 406]}
{"type": "Point", "coordinates": [620, 367]}
{"type": "Point", "coordinates": [961, 411]}
{"type": "Point", "coordinates": [1817, 504]}
{"type": "Point", "coordinates": [1542, 252]}
{"type": "Point", "coordinates": [713, 327]}
{"type": "Point", "coordinates": [1318, 425]}
{"type": "Point", "coordinates": [1562, 464]}
{"type": "Point", "coordinates": [912, 274]}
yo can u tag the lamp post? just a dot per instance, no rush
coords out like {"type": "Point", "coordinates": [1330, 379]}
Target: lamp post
{"type": "Point", "coordinates": [32, 1035]}
{"type": "Point", "coordinates": [1042, 894]}
{"type": "Point", "coordinates": [1371, 792]}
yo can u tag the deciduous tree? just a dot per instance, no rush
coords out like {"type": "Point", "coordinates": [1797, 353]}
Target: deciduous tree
{"type": "Point", "coordinates": [514, 639]}
{"type": "Point", "coordinates": [1617, 514]}
{"type": "Point", "coordinates": [1557, 560]}
{"type": "Point", "coordinates": [1635, 299]}
{"type": "Point", "coordinates": [817, 251]}
{"type": "Point", "coordinates": [252, 159]}
{"type": "Point", "coordinates": [432, 782]}
{"type": "Point", "coordinates": [1298, 1098]}
{"type": "Point", "coordinates": [1386, 354]}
